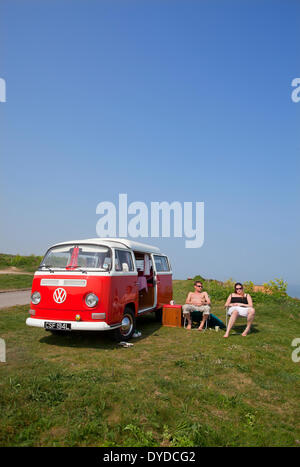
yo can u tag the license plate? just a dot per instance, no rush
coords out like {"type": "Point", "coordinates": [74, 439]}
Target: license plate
{"type": "Point", "coordinates": [57, 326]}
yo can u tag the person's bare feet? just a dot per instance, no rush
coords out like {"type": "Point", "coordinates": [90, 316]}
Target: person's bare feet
{"type": "Point", "coordinates": [244, 334]}
{"type": "Point", "coordinates": [200, 328]}
{"type": "Point", "coordinates": [226, 335]}
{"type": "Point", "coordinates": [189, 326]}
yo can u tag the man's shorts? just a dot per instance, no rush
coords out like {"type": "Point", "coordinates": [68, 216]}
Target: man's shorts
{"type": "Point", "coordinates": [187, 309]}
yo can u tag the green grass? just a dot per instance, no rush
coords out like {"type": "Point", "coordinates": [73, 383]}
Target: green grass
{"type": "Point", "coordinates": [15, 281]}
{"type": "Point", "coordinates": [25, 263]}
{"type": "Point", "coordinates": [173, 388]}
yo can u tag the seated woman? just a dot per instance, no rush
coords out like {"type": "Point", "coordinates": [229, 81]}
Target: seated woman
{"type": "Point", "coordinates": [240, 304]}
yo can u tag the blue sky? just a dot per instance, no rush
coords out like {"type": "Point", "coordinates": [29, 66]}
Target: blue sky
{"type": "Point", "coordinates": [162, 100]}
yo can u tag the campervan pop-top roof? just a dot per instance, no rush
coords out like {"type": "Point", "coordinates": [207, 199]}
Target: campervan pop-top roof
{"type": "Point", "coordinates": [116, 243]}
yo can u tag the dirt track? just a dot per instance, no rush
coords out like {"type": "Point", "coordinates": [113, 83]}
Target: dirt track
{"type": "Point", "coordinates": [14, 270]}
{"type": "Point", "coordinates": [20, 297]}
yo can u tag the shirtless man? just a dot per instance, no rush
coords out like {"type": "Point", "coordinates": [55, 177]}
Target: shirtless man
{"type": "Point", "coordinates": [197, 301]}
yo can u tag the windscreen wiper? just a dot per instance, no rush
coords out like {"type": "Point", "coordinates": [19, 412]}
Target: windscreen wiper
{"type": "Point", "coordinates": [47, 267]}
{"type": "Point", "coordinates": [76, 267]}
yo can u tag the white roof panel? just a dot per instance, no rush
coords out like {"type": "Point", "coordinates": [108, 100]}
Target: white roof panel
{"type": "Point", "coordinates": [117, 243]}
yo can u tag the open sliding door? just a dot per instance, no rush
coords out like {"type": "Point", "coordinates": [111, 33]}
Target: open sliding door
{"type": "Point", "coordinates": [146, 282]}
{"type": "Point", "coordinates": [162, 279]}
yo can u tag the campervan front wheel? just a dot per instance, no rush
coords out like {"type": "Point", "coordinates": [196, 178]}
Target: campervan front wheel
{"type": "Point", "coordinates": [125, 332]}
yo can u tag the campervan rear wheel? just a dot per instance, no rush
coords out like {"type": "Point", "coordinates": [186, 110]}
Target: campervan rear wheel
{"type": "Point", "coordinates": [127, 329]}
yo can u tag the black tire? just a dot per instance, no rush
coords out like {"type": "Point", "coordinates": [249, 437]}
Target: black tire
{"type": "Point", "coordinates": [126, 331]}
{"type": "Point", "coordinates": [158, 315]}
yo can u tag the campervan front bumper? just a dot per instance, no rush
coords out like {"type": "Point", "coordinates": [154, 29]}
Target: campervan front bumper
{"type": "Point", "coordinates": [71, 325]}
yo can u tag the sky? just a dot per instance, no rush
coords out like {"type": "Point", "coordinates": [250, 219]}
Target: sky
{"type": "Point", "coordinates": [168, 100]}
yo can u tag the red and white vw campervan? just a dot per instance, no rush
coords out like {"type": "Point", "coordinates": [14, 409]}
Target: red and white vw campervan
{"type": "Point", "coordinates": [100, 284]}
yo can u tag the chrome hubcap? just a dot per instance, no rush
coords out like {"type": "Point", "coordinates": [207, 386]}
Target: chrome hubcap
{"type": "Point", "coordinates": [126, 325]}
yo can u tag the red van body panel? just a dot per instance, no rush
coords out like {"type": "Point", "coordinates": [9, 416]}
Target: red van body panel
{"type": "Point", "coordinates": [75, 299]}
{"type": "Point", "coordinates": [164, 289]}
{"type": "Point", "coordinates": [123, 291]}
{"type": "Point", "coordinates": [114, 293]}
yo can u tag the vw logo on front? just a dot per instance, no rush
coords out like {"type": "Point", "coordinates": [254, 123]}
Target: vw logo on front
{"type": "Point", "coordinates": [59, 295]}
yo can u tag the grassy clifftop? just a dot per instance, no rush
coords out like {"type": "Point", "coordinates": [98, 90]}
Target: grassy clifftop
{"type": "Point", "coordinates": [172, 388]}
{"type": "Point", "coordinates": [24, 263]}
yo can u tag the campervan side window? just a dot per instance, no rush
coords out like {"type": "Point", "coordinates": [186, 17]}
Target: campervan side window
{"type": "Point", "coordinates": [161, 263]}
{"type": "Point", "coordinates": [123, 261]}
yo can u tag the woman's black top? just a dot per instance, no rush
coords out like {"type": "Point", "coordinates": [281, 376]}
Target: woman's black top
{"type": "Point", "coordinates": [239, 299]}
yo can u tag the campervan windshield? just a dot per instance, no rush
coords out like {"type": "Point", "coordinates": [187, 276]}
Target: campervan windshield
{"type": "Point", "coordinates": [72, 257]}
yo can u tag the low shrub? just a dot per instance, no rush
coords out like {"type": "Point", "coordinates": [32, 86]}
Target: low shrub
{"type": "Point", "coordinates": [27, 263]}
{"type": "Point", "coordinates": [275, 291]}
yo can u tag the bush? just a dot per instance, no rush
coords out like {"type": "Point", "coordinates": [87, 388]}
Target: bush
{"type": "Point", "coordinates": [229, 284]}
{"type": "Point", "coordinates": [249, 287]}
{"type": "Point", "coordinates": [199, 278]}
{"type": "Point", "coordinates": [27, 263]}
{"type": "Point", "coordinates": [278, 287]}
{"type": "Point", "coordinates": [218, 291]}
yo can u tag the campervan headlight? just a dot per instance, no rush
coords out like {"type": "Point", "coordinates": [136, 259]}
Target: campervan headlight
{"type": "Point", "coordinates": [36, 298]}
{"type": "Point", "coordinates": [91, 300]}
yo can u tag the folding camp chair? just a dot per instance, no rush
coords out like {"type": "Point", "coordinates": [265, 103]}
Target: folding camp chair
{"type": "Point", "coordinates": [226, 316]}
{"type": "Point", "coordinates": [185, 320]}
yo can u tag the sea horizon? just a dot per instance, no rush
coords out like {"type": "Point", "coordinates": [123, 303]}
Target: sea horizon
{"type": "Point", "coordinates": [293, 290]}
